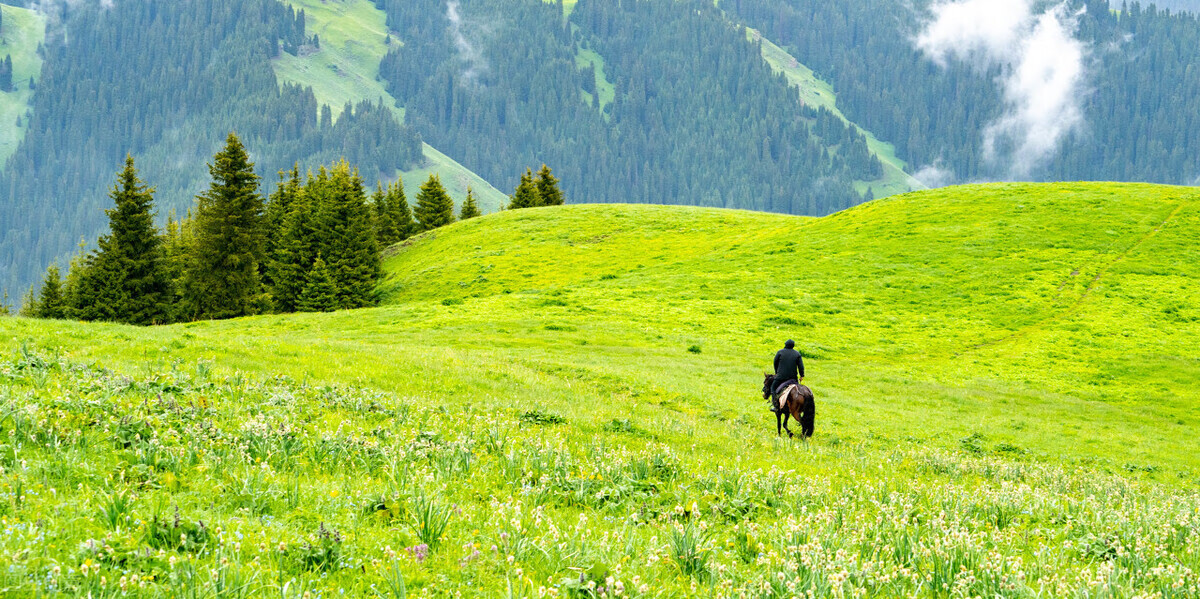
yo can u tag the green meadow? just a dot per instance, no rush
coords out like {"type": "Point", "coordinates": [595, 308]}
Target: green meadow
{"type": "Point", "coordinates": [566, 402]}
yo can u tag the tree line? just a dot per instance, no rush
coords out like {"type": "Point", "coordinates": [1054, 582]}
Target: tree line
{"type": "Point", "coordinates": [312, 245]}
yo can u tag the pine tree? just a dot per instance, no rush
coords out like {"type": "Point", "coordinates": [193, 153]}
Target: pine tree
{"type": "Point", "coordinates": [469, 208]}
{"type": "Point", "coordinates": [434, 206]}
{"type": "Point", "coordinates": [124, 280]}
{"type": "Point", "coordinates": [223, 279]}
{"type": "Point", "coordinates": [526, 195]}
{"type": "Point", "coordinates": [50, 300]}
{"type": "Point", "coordinates": [548, 190]}
{"type": "Point", "coordinates": [320, 290]}
{"type": "Point", "coordinates": [5, 308]}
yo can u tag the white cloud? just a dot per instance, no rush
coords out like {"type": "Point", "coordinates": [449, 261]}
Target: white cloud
{"type": "Point", "coordinates": [1042, 65]}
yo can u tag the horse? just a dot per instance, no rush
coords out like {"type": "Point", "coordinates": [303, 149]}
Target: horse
{"type": "Point", "coordinates": [799, 402]}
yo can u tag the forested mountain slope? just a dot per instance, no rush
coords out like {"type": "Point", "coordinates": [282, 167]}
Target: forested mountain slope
{"type": "Point", "coordinates": [187, 74]}
{"type": "Point", "coordinates": [696, 117]}
{"type": "Point", "coordinates": [1139, 101]}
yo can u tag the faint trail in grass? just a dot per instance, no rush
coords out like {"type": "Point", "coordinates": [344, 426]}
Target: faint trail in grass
{"type": "Point", "coordinates": [1074, 307]}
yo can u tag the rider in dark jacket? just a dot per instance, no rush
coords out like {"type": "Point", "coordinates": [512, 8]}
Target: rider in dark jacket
{"type": "Point", "coordinates": [789, 369]}
{"type": "Point", "coordinates": [789, 366]}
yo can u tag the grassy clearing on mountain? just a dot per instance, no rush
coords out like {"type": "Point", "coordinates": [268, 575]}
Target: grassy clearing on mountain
{"type": "Point", "coordinates": [1003, 378]}
{"type": "Point", "coordinates": [22, 32]}
{"type": "Point", "coordinates": [354, 38]}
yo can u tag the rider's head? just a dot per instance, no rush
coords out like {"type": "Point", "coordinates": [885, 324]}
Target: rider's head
{"type": "Point", "coordinates": [790, 344]}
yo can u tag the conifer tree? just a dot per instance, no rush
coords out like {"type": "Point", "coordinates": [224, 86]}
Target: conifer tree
{"type": "Point", "coordinates": [526, 195]}
{"type": "Point", "coordinates": [320, 290]}
{"type": "Point", "coordinates": [6, 74]}
{"type": "Point", "coordinates": [434, 206]}
{"type": "Point", "coordinates": [177, 245]}
{"type": "Point", "coordinates": [124, 280]}
{"type": "Point", "coordinates": [393, 218]}
{"type": "Point", "coordinates": [469, 209]}
{"type": "Point", "coordinates": [548, 191]}
{"type": "Point", "coordinates": [29, 305]}
{"type": "Point", "coordinates": [402, 215]}
{"type": "Point", "coordinates": [223, 279]}
{"type": "Point", "coordinates": [385, 227]}
{"type": "Point", "coordinates": [50, 300]}
{"type": "Point", "coordinates": [297, 249]}
{"type": "Point", "coordinates": [5, 308]}
{"type": "Point", "coordinates": [278, 207]}
{"type": "Point", "coordinates": [348, 238]}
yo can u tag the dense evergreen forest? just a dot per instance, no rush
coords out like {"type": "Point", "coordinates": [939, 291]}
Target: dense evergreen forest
{"type": "Point", "coordinates": [1141, 108]}
{"type": "Point", "coordinates": [697, 117]}
{"type": "Point", "coordinates": [164, 81]}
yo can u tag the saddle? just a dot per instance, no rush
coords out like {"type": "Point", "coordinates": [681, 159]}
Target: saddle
{"type": "Point", "coordinates": [790, 392]}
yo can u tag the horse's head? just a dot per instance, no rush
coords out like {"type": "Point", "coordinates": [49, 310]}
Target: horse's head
{"type": "Point", "coordinates": [768, 382]}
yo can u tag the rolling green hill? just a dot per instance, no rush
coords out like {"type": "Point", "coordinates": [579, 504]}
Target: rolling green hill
{"type": "Point", "coordinates": [1005, 379]}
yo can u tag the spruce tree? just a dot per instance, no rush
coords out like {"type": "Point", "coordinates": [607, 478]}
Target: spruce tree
{"type": "Point", "coordinates": [469, 208]}
{"type": "Point", "coordinates": [177, 245]}
{"type": "Point", "coordinates": [434, 206]}
{"type": "Point", "coordinates": [402, 215]}
{"type": "Point", "coordinates": [297, 249]}
{"type": "Point", "coordinates": [5, 308]}
{"type": "Point", "coordinates": [526, 195]}
{"type": "Point", "coordinates": [29, 305]}
{"type": "Point", "coordinates": [348, 243]}
{"type": "Point", "coordinates": [385, 227]}
{"type": "Point", "coordinates": [320, 290]}
{"type": "Point", "coordinates": [50, 300]}
{"type": "Point", "coordinates": [124, 280]}
{"type": "Point", "coordinates": [548, 191]}
{"type": "Point", "coordinates": [223, 279]}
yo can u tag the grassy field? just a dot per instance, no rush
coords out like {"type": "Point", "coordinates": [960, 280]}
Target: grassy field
{"type": "Point", "coordinates": [354, 39]}
{"type": "Point", "coordinates": [818, 93]}
{"type": "Point", "coordinates": [564, 402]}
{"type": "Point", "coordinates": [22, 32]}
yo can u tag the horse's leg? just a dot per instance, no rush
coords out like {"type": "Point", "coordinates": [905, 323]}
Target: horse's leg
{"type": "Point", "coordinates": [787, 415]}
{"type": "Point", "coordinates": [778, 425]}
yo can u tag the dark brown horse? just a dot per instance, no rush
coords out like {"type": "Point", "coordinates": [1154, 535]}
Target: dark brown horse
{"type": "Point", "coordinates": [799, 404]}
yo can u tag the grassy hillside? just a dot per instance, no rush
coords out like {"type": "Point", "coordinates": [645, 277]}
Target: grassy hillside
{"type": "Point", "coordinates": [818, 93]}
{"type": "Point", "coordinates": [22, 32]}
{"type": "Point", "coordinates": [1005, 379]}
{"type": "Point", "coordinates": [354, 37]}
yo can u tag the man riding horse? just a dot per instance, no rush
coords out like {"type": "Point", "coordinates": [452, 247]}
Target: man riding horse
{"type": "Point", "coordinates": [787, 391]}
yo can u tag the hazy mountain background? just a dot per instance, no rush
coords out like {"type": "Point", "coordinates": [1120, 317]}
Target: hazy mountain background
{"type": "Point", "coordinates": [795, 106]}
